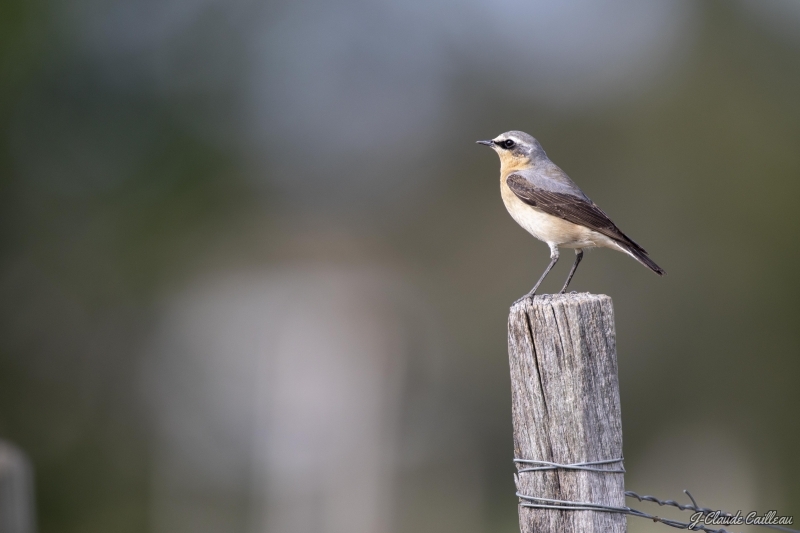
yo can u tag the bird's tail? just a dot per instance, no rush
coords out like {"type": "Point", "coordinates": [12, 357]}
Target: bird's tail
{"type": "Point", "coordinates": [640, 255]}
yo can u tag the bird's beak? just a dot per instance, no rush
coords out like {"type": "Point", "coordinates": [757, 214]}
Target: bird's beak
{"type": "Point", "coordinates": [487, 143]}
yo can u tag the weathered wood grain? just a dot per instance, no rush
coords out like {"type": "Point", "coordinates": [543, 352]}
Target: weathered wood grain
{"type": "Point", "coordinates": [566, 409]}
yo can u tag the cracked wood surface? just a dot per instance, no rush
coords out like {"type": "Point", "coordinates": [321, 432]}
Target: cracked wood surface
{"type": "Point", "coordinates": [565, 408]}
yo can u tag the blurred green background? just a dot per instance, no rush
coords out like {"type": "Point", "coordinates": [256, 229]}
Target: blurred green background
{"type": "Point", "coordinates": [150, 152]}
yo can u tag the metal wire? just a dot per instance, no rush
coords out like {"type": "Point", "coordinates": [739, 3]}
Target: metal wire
{"type": "Point", "coordinates": [591, 466]}
{"type": "Point", "coordinates": [696, 508]}
{"type": "Point", "coordinates": [547, 503]}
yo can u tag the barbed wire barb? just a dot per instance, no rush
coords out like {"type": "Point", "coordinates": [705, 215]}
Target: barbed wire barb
{"type": "Point", "coordinates": [595, 466]}
{"type": "Point", "coordinates": [705, 510]}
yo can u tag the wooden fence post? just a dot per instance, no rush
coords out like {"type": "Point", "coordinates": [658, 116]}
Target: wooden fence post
{"type": "Point", "coordinates": [566, 409]}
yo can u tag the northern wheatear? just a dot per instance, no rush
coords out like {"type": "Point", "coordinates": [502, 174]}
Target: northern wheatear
{"type": "Point", "coordinates": [544, 201]}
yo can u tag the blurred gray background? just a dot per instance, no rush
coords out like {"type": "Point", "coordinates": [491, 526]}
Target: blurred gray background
{"type": "Point", "coordinates": [255, 273]}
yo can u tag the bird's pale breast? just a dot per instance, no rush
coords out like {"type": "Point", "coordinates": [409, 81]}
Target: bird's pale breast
{"type": "Point", "coordinates": [549, 228]}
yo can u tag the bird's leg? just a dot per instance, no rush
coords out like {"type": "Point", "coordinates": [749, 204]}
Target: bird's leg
{"type": "Point", "coordinates": [578, 257]}
{"type": "Point", "coordinates": [553, 261]}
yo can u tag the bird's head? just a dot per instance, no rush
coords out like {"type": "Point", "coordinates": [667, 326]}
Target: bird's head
{"type": "Point", "coordinates": [517, 150]}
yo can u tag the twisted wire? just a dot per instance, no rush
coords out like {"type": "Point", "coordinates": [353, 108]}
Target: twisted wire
{"type": "Point", "coordinates": [593, 466]}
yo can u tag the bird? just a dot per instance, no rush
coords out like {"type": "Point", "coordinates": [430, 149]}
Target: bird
{"type": "Point", "coordinates": [542, 199]}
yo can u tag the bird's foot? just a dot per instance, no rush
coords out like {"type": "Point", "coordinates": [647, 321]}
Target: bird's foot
{"type": "Point", "coordinates": [528, 296]}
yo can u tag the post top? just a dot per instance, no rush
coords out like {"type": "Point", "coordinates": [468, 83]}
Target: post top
{"type": "Point", "coordinates": [542, 300]}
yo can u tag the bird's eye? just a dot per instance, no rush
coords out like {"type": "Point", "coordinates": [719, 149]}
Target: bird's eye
{"type": "Point", "coordinates": [508, 144]}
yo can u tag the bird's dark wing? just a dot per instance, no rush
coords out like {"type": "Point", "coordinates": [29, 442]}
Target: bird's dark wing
{"type": "Point", "coordinates": [569, 207]}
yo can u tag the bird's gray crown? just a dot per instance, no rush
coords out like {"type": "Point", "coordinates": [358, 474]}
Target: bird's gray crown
{"type": "Point", "coordinates": [525, 145]}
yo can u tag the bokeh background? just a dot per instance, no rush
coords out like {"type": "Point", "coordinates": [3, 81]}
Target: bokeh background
{"type": "Point", "coordinates": [255, 273]}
